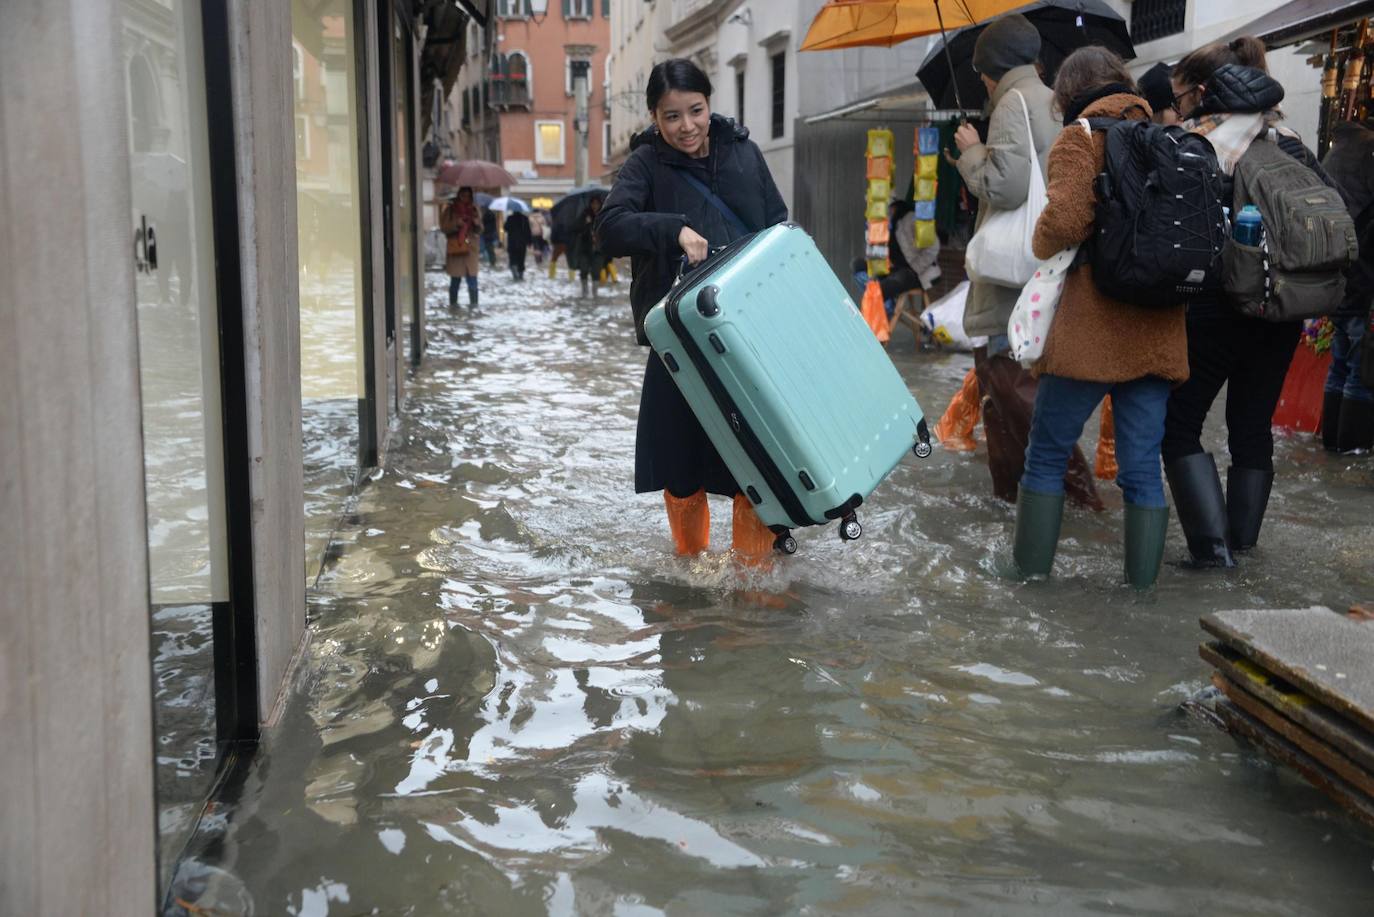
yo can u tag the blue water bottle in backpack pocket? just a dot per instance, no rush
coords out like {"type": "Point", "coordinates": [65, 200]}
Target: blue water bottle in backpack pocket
{"type": "Point", "coordinates": [1248, 228]}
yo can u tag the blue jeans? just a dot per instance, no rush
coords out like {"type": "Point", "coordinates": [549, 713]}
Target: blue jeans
{"type": "Point", "coordinates": [1063, 405]}
{"type": "Point", "coordinates": [1344, 375]}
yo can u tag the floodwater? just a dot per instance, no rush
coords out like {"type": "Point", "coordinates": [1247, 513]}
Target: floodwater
{"type": "Point", "coordinates": [517, 701]}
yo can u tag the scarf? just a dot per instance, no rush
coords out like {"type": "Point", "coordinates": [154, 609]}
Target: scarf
{"type": "Point", "coordinates": [1231, 134]}
{"type": "Point", "coordinates": [1080, 103]}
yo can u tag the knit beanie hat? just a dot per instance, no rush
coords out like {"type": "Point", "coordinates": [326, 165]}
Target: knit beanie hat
{"type": "Point", "coordinates": [1008, 42]}
{"type": "Point", "coordinates": [1155, 87]}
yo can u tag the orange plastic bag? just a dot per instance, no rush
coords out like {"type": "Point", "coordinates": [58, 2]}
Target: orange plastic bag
{"type": "Point", "coordinates": [874, 313]}
{"type": "Point", "coordinates": [955, 429]}
{"type": "Point", "coordinates": [1105, 466]}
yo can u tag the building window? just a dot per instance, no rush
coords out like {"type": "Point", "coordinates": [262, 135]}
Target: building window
{"type": "Point", "coordinates": [577, 9]}
{"type": "Point", "coordinates": [1152, 19]}
{"type": "Point", "coordinates": [779, 93]}
{"type": "Point", "coordinates": [605, 141]}
{"type": "Point", "coordinates": [739, 97]}
{"type": "Point", "coordinates": [605, 9]}
{"type": "Point", "coordinates": [548, 143]}
{"type": "Point", "coordinates": [518, 78]}
{"type": "Point", "coordinates": [512, 9]}
{"type": "Point", "coordinates": [467, 108]}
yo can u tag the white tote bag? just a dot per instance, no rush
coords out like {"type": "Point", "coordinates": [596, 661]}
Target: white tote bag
{"type": "Point", "coordinates": [1029, 325]}
{"type": "Point", "coordinates": [1000, 251]}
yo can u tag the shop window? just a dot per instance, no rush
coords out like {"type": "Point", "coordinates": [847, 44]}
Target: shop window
{"type": "Point", "coordinates": [779, 62]}
{"type": "Point", "coordinates": [548, 143]}
{"type": "Point", "coordinates": [336, 395]}
{"type": "Point", "coordinates": [1152, 19]}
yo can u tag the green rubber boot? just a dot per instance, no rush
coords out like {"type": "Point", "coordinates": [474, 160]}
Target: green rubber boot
{"type": "Point", "coordinates": [1037, 531]}
{"type": "Point", "coordinates": [1146, 527]}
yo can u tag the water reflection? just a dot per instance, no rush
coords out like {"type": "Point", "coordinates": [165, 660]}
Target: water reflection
{"type": "Point", "coordinates": [520, 704]}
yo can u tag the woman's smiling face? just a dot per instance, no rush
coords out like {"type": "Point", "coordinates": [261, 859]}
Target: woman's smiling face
{"type": "Point", "coordinates": [684, 120]}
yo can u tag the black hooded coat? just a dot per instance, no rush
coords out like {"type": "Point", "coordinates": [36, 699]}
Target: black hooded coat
{"type": "Point", "coordinates": [650, 202]}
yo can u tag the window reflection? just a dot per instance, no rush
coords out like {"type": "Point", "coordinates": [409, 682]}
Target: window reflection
{"type": "Point", "coordinates": [178, 327]}
{"type": "Point", "coordinates": [330, 251]}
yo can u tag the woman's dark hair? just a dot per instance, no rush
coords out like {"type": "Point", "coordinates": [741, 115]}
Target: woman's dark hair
{"type": "Point", "coordinates": [1198, 66]}
{"type": "Point", "coordinates": [1084, 72]}
{"type": "Point", "coordinates": [467, 188]}
{"type": "Point", "coordinates": [677, 74]}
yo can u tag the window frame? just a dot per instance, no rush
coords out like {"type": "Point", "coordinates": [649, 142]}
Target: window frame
{"type": "Point", "coordinates": [539, 159]}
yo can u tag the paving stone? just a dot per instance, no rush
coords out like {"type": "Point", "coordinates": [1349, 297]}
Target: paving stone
{"type": "Point", "coordinates": [1326, 655]}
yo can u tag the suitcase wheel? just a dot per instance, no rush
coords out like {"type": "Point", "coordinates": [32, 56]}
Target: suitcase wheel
{"type": "Point", "coordinates": [922, 450]}
{"type": "Point", "coordinates": [850, 530]}
{"type": "Point", "coordinates": [785, 544]}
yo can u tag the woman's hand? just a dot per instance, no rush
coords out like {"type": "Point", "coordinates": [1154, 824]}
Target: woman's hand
{"type": "Point", "coordinates": [966, 136]}
{"type": "Point", "coordinates": [693, 245]}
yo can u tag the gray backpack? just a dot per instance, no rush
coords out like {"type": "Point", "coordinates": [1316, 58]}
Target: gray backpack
{"type": "Point", "coordinates": [1298, 269]}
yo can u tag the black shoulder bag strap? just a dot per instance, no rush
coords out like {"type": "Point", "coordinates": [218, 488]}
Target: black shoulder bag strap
{"type": "Point", "coordinates": [730, 216]}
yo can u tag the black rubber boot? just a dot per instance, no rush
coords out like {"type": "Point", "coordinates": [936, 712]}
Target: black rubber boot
{"type": "Point", "coordinates": [1146, 527]}
{"type": "Point", "coordinates": [1201, 508]}
{"type": "Point", "coordinates": [1331, 419]}
{"type": "Point", "coordinates": [472, 300]}
{"type": "Point", "coordinates": [1247, 497]}
{"type": "Point", "coordinates": [1356, 430]}
{"type": "Point", "coordinates": [1038, 517]}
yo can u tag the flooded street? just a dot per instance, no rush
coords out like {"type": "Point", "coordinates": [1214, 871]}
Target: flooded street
{"type": "Point", "coordinates": [517, 701]}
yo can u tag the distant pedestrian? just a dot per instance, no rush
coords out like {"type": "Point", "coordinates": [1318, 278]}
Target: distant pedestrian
{"type": "Point", "coordinates": [657, 216]}
{"type": "Point", "coordinates": [998, 174]}
{"type": "Point", "coordinates": [1348, 405]}
{"type": "Point", "coordinates": [1097, 346]}
{"type": "Point", "coordinates": [489, 236]}
{"type": "Point", "coordinates": [462, 226]}
{"type": "Point", "coordinates": [539, 236]}
{"type": "Point", "coordinates": [517, 240]}
{"type": "Point", "coordinates": [585, 254]}
{"type": "Point", "coordinates": [1225, 92]}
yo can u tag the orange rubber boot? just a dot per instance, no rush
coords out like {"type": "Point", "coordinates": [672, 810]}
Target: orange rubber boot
{"type": "Point", "coordinates": [955, 429]}
{"type": "Point", "coordinates": [1106, 444]}
{"type": "Point", "coordinates": [689, 519]}
{"type": "Point", "coordinates": [751, 539]}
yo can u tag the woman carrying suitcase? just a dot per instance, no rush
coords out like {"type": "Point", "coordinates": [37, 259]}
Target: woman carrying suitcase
{"type": "Point", "coordinates": [659, 213]}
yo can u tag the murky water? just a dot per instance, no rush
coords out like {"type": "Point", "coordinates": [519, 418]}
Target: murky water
{"type": "Point", "coordinates": [518, 702]}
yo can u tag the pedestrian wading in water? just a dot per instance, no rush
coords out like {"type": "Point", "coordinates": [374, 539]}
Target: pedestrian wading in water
{"type": "Point", "coordinates": [998, 174]}
{"type": "Point", "coordinates": [462, 225]}
{"type": "Point", "coordinates": [1225, 93]}
{"type": "Point", "coordinates": [1097, 346]}
{"type": "Point", "coordinates": [655, 215]}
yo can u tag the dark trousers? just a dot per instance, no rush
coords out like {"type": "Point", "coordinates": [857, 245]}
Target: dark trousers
{"type": "Point", "coordinates": [1248, 355]}
{"type": "Point", "coordinates": [898, 282]}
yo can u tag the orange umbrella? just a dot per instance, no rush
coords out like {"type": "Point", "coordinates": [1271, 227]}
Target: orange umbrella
{"type": "Point", "coordinates": [864, 23]}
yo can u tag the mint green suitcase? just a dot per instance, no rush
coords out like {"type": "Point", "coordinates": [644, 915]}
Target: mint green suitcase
{"type": "Point", "coordinates": [795, 392]}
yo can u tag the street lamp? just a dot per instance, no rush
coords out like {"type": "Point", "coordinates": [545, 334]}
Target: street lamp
{"type": "Point", "coordinates": [538, 10]}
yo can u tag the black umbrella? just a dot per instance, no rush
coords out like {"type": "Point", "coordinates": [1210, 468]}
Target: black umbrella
{"type": "Point", "coordinates": [565, 214]}
{"type": "Point", "coordinates": [1064, 27]}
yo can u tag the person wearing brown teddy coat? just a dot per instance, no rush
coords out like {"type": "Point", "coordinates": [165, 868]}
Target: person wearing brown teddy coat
{"type": "Point", "coordinates": [1097, 346]}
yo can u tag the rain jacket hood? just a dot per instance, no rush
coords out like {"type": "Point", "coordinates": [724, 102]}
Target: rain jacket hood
{"type": "Point", "coordinates": [1239, 90]}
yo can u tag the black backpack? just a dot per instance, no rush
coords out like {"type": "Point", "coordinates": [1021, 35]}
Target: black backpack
{"type": "Point", "coordinates": [1159, 225]}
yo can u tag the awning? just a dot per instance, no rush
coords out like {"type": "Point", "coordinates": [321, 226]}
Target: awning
{"type": "Point", "coordinates": [905, 102]}
{"type": "Point", "coordinates": [1303, 19]}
